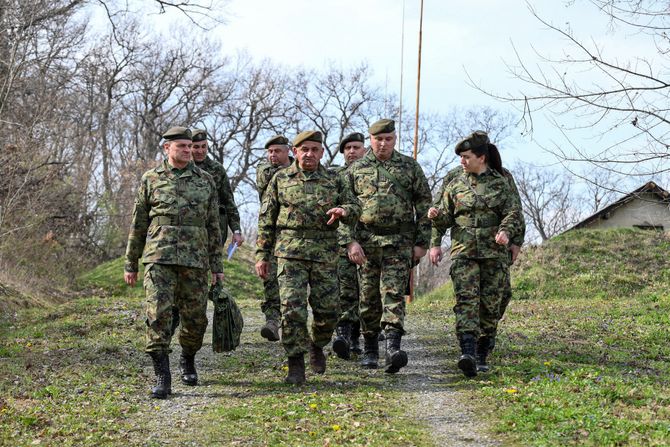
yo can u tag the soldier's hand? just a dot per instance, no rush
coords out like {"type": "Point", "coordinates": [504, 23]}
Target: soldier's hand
{"type": "Point", "coordinates": [515, 249]}
{"type": "Point", "coordinates": [130, 278]}
{"type": "Point", "coordinates": [217, 277]}
{"type": "Point", "coordinates": [356, 253]}
{"type": "Point", "coordinates": [418, 252]}
{"type": "Point", "coordinates": [435, 255]}
{"type": "Point", "coordinates": [335, 213]}
{"type": "Point", "coordinates": [238, 239]}
{"type": "Point", "coordinates": [502, 238]}
{"type": "Point", "coordinates": [262, 268]}
{"type": "Point", "coordinates": [433, 212]}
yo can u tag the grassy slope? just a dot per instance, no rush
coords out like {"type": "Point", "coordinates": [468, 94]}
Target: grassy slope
{"type": "Point", "coordinates": [75, 375]}
{"type": "Point", "coordinates": [583, 353]}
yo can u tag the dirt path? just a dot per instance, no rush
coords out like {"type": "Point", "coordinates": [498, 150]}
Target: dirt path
{"type": "Point", "coordinates": [428, 382]}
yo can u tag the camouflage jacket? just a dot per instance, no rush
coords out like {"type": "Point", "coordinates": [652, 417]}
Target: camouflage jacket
{"type": "Point", "coordinates": [264, 173]}
{"type": "Point", "coordinates": [175, 220]}
{"type": "Point", "coordinates": [475, 207]}
{"type": "Point", "coordinates": [393, 210]}
{"type": "Point", "coordinates": [345, 231]}
{"type": "Point", "coordinates": [229, 216]}
{"type": "Point", "coordinates": [293, 217]}
{"type": "Point", "coordinates": [518, 239]}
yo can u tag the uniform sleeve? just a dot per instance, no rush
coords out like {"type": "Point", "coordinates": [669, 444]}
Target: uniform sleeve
{"type": "Point", "coordinates": [518, 238]}
{"type": "Point", "coordinates": [227, 202]}
{"type": "Point", "coordinates": [422, 199]}
{"type": "Point", "coordinates": [444, 220]}
{"type": "Point", "coordinates": [214, 234]}
{"type": "Point", "coordinates": [138, 230]}
{"type": "Point", "coordinates": [267, 221]}
{"type": "Point", "coordinates": [512, 220]}
{"type": "Point", "coordinates": [348, 201]}
{"type": "Point", "coordinates": [262, 180]}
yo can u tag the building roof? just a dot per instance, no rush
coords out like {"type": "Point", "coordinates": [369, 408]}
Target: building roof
{"type": "Point", "coordinates": [647, 188]}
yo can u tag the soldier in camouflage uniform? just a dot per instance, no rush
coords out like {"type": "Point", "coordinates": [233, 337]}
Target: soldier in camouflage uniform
{"type": "Point", "coordinates": [393, 230]}
{"type": "Point", "coordinates": [278, 157]}
{"type": "Point", "coordinates": [348, 329]}
{"type": "Point", "coordinates": [175, 228]}
{"type": "Point", "coordinates": [228, 214]}
{"type": "Point", "coordinates": [484, 214]}
{"type": "Point", "coordinates": [298, 221]}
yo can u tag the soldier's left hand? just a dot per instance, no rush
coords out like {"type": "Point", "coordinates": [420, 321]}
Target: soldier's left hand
{"type": "Point", "coordinates": [502, 238]}
{"type": "Point", "coordinates": [238, 239]}
{"type": "Point", "coordinates": [217, 277]}
{"type": "Point", "coordinates": [335, 213]}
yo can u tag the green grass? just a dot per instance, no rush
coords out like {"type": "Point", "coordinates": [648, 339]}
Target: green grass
{"type": "Point", "coordinates": [583, 353]}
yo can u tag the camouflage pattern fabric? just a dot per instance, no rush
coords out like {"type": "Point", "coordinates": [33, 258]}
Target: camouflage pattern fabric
{"type": "Point", "coordinates": [349, 301]}
{"type": "Point", "coordinates": [302, 282]}
{"type": "Point", "coordinates": [382, 281]}
{"type": "Point", "coordinates": [175, 220]}
{"type": "Point", "coordinates": [475, 208]}
{"type": "Point", "coordinates": [292, 226]}
{"type": "Point", "coordinates": [229, 216]}
{"type": "Point", "coordinates": [271, 304]}
{"type": "Point", "coordinates": [477, 286]}
{"type": "Point", "coordinates": [185, 288]}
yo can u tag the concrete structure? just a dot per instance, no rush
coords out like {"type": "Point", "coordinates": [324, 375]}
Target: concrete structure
{"type": "Point", "coordinates": [648, 207]}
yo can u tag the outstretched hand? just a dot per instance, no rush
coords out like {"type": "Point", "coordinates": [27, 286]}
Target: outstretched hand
{"type": "Point", "coordinates": [335, 213]}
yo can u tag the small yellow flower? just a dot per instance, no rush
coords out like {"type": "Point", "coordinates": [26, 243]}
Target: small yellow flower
{"type": "Point", "coordinates": [28, 345]}
{"type": "Point", "coordinates": [336, 427]}
{"type": "Point", "coordinates": [511, 390]}
{"type": "Point", "coordinates": [284, 368]}
{"type": "Point", "coordinates": [547, 363]}
{"type": "Point", "coordinates": [312, 406]}
{"type": "Point", "coordinates": [157, 407]}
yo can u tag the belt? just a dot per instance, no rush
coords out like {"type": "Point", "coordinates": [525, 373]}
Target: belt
{"type": "Point", "coordinates": [477, 222]}
{"type": "Point", "coordinates": [309, 234]}
{"type": "Point", "coordinates": [404, 227]}
{"type": "Point", "coordinates": [177, 221]}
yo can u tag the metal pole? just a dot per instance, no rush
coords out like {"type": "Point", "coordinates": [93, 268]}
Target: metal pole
{"type": "Point", "coordinates": [402, 66]}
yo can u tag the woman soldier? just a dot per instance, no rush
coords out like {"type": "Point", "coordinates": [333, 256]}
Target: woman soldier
{"type": "Point", "coordinates": [483, 214]}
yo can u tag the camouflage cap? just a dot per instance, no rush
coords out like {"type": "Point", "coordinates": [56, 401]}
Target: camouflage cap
{"type": "Point", "coordinates": [177, 133]}
{"type": "Point", "coordinates": [475, 139]}
{"type": "Point", "coordinates": [308, 135]}
{"type": "Point", "coordinates": [355, 136]}
{"type": "Point", "coordinates": [382, 126]}
{"type": "Point", "coordinates": [199, 135]}
{"type": "Point", "coordinates": [277, 139]}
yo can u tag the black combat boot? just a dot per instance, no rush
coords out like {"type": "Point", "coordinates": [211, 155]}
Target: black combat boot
{"type": "Point", "coordinates": [467, 362]}
{"type": "Point", "coordinates": [355, 336]}
{"type": "Point", "coordinates": [271, 330]}
{"type": "Point", "coordinates": [317, 360]}
{"type": "Point", "coordinates": [296, 370]}
{"type": "Point", "coordinates": [163, 379]}
{"type": "Point", "coordinates": [395, 357]}
{"type": "Point", "coordinates": [342, 342]}
{"type": "Point", "coordinates": [371, 352]}
{"type": "Point", "coordinates": [189, 376]}
{"type": "Point", "coordinates": [484, 347]}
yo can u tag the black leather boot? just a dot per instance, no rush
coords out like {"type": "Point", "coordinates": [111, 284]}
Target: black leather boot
{"type": "Point", "coordinates": [466, 362]}
{"type": "Point", "coordinates": [189, 376]}
{"type": "Point", "coordinates": [342, 342]}
{"type": "Point", "coordinates": [485, 345]}
{"type": "Point", "coordinates": [317, 360]}
{"type": "Point", "coordinates": [163, 386]}
{"type": "Point", "coordinates": [270, 331]}
{"type": "Point", "coordinates": [371, 352]}
{"type": "Point", "coordinates": [296, 370]}
{"type": "Point", "coordinates": [355, 336]}
{"type": "Point", "coordinates": [395, 357]}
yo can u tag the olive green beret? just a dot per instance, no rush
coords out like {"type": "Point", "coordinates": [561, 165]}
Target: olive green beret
{"type": "Point", "coordinates": [177, 133]}
{"type": "Point", "coordinates": [356, 136]}
{"type": "Point", "coordinates": [382, 126]}
{"type": "Point", "coordinates": [199, 135]}
{"type": "Point", "coordinates": [277, 139]}
{"type": "Point", "coordinates": [475, 139]}
{"type": "Point", "coordinates": [308, 135]}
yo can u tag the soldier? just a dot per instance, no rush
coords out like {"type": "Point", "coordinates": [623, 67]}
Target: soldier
{"type": "Point", "coordinates": [393, 230]}
{"type": "Point", "coordinates": [298, 221]}
{"type": "Point", "coordinates": [228, 214]}
{"type": "Point", "coordinates": [175, 228]}
{"type": "Point", "coordinates": [348, 328]}
{"type": "Point", "coordinates": [278, 157]}
{"type": "Point", "coordinates": [483, 213]}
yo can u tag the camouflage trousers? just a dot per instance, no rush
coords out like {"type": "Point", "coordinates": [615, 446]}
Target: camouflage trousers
{"type": "Point", "coordinates": [302, 283]}
{"type": "Point", "coordinates": [383, 282]}
{"type": "Point", "coordinates": [348, 276]}
{"type": "Point", "coordinates": [186, 289]}
{"type": "Point", "coordinates": [478, 285]}
{"type": "Point", "coordinates": [271, 305]}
